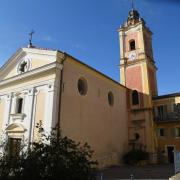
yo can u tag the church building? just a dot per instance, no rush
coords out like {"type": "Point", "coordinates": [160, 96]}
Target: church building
{"type": "Point", "coordinates": [51, 87]}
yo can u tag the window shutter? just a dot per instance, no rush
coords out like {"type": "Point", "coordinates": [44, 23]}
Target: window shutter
{"type": "Point", "coordinates": [165, 132]}
{"type": "Point", "coordinates": [178, 107]}
{"type": "Point", "coordinates": [165, 109]}
{"type": "Point", "coordinates": [157, 132]}
{"type": "Point", "coordinates": [172, 132]}
{"type": "Point", "coordinates": [172, 107]}
{"type": "Point", "coordinates": [156, 111]}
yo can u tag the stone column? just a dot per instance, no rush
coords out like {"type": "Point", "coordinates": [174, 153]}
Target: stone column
{"type": "Point", "coordinates": [30, 102]}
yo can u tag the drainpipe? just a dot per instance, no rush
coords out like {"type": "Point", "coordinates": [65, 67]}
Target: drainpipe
{"type": "Point", "coordinates": [31, 118]}
{"type": "Point", "coordinates": [60, 95]}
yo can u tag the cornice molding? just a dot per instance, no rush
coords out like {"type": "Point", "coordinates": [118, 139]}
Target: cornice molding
{"type": "Point", "coordinates": [130, 63]}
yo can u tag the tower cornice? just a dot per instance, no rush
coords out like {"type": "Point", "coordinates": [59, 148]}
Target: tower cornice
{"type": "Point", "coordinates": [138, 61]}
{"type": "Point", "coordinates": [127, 28]}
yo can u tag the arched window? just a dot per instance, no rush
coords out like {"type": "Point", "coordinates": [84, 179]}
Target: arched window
{"type": "Point", "coordinates": [132, 45]}
{"type": "Point", "coordinates": [135, 98]}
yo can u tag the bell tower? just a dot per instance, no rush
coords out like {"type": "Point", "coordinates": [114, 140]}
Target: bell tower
{"type": "Point", "coordinates": [137, 66]}
{"type": "Point", "coordinates": [138, 74]}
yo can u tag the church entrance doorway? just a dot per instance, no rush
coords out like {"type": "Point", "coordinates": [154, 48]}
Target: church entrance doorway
{"type": "Point", "coordinates": [14, 147]}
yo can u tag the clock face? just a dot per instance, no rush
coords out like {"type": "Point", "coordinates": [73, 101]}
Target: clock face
{"type": "Point", "coordinates": [132, 56]}
{"type": "Point", "coordinates": [23, 66]}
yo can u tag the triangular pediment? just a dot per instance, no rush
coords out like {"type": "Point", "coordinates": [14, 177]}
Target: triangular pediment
{"type": "Point", "coordinates": [15, 127]}
{"type": "Point", "coordinates": [30, 58]}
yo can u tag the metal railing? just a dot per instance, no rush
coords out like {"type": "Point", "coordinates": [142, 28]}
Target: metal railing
{"type": "Point", "coordinates": [171, 116]}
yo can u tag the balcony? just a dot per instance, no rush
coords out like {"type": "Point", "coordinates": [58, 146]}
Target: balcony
{"type": "Point", "coordinates": [167, 117]}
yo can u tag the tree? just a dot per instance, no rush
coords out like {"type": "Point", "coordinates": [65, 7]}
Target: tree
{"type": "Point", "coordinates": [53, 157]}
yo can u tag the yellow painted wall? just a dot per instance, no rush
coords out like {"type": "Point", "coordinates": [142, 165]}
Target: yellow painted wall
{"type": "Point", "coordinates": [169, 139]}
{"type": "Point", "coordinates": [89, 118]}
{"type": "Point", "coordinates": [166, 101]}
{"type": "Point", "coordinates": [39, 112]}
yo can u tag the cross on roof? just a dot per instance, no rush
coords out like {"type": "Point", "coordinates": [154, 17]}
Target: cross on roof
{"type": "Point", "coordinates": [30, 38]}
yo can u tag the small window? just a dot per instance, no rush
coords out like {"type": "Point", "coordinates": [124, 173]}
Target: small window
{"type": "Point", "coordinates": [22, 67]}
{"type": "Point", "coordinates": [177, 132]}
{"type": "Point", "coordinates": [135, 98]}
{"type": "Point", "coordinates": [161, 132]}
{"type": "Point", "coordinates": [110, 98]}
{"type": "Point", "coordinates": [162, 112]}
{"type": "Point", "coordinates": [82, 86]}
{"type": "Point", "coordinates": [177, 108]}
{"type": "Point", "coordinates": [19, 105]}
{"type": "Point", "coordinates": [132, 45]}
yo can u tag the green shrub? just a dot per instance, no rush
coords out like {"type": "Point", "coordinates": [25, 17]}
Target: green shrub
{"type": "Point", "coordinates": [54, 157]}
{"type": "Point", "coordinates": [134, 156]}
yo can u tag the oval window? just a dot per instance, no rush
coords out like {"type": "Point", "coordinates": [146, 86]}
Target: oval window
{"type": "Point", "coordinates": [82, 86]}
{"type": "Point", "coordinates": [110, 98]}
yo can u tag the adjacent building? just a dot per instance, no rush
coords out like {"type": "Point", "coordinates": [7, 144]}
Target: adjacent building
{"type": "Point", "coordinates": [167, 119]}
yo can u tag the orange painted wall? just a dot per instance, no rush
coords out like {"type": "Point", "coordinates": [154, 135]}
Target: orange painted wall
{"type": "Point", "coordinates": [134, 80]}
{"type": "Point", "coordinates": [152, 81]}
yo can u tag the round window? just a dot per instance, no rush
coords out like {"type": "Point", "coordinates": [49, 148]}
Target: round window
{"type": "Point", "coordinates": [111, 98]}
{"type": "Point", "coordinates": [23, 66]}
{"type": "Point", "coordinates": [82, 86]}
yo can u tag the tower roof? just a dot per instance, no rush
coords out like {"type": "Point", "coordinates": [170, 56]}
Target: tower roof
{"type": "Point", "coordinates": [133, 14]}
{"type": "Point", "coordinates": [134, 17]}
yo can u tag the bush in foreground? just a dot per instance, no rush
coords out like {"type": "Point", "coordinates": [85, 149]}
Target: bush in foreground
{"type": "Point", "coordinates": [134, 156]}
{"type": "Point", "coordinates": [54, 157]}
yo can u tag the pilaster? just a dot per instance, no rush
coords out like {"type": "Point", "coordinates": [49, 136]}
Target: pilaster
{"type": "Point", "coordinates": [7, 110]}
{"type": "Point", "coordinates": [51, 107]}
{"type": "Point", "coordinates": [30, 112]}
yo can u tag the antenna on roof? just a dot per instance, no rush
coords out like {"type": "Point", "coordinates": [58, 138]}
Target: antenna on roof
{"type": "Point", "coordinates": [30, 38]}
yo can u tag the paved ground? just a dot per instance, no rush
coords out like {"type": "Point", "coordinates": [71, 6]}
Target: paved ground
{"type": "Point", "coordinates": [163, 171]}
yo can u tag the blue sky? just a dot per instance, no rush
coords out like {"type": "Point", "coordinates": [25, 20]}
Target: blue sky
{"type": "Point", "coordinates": [87, 29]}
